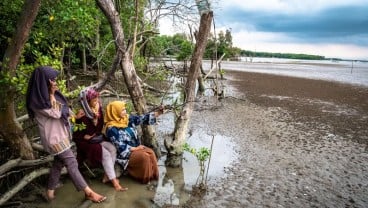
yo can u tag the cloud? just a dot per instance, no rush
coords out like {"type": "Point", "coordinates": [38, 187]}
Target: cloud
{"type": "Point", "coordinates": [326, 25]}
{"type": "Point", "coordinates": [331, 28]}
{"type": "Point", "coordinates": [335, 22]}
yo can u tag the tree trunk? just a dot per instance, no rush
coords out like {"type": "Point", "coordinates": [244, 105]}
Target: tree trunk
{"type": "Point", "coordinates": [128, 70]}
{"type": "Point", "coordinates": [10, 129]}
{"type": "Point", "coordinates": [84, 59]}
{"type": "Point", "coordinates": [175, 146]}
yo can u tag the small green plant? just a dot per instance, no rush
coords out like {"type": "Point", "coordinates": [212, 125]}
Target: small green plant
{"type": "Point", "coordinates": [202, 154]}
{"type": "Point", "coordinates": [76, 126]}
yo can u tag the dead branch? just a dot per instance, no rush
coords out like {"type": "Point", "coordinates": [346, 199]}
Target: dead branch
{"type": "Point", "coordinates": [22, 183]}
{"type": "Point", "coordinates": [22, 118]}
{"type": "Point", "coordinates": [38, 147]}
{"type": "Point", "coordinates": [146, 86]}
{"type": "Point", "coordinates": [24, 163]}
{"type": "Point", "coordinates": [25, 181]}
{"type": "Point", "coordinates": [216, 66]}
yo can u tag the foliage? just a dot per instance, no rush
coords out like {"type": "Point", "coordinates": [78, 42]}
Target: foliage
{"type": "Point", "coordinates": [77, 126]}
{"type": "Point", "coordinates": [281, 55]}
{"type": "Point", "coordinates": [20, 81]}
{"type": "Point", "coordinates": [222, 44]}
{"type": "Point", "coordinates": [9, 10]}
{"type": "Point", "coordinates": [186, 49]}
{"type": "Point", "coordinates": [159, 46]}
{"type": "Point", "coordinates": [68, 24]}
{"type": "Point", "coordinates": [202, 154]}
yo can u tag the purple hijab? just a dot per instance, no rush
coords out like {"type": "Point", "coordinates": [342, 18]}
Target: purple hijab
{"type": "Point", "coordinates": [38, 96]}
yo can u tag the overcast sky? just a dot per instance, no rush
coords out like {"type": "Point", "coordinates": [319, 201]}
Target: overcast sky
{"type": "Point", "coordinates": [331, 28]}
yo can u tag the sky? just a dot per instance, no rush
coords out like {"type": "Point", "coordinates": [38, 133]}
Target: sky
{"type": "Point", "coordinates": [330, 28]}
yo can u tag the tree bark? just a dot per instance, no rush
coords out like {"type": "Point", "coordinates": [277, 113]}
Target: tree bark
{"type": "Point", "coordinates": [84, 59]}
{"type": "Point", "coordinates": [10, 128]}
{"type": "Point", "coordinates": [175, 146]}
{"type": "Point", "coordinates": [129, 73]}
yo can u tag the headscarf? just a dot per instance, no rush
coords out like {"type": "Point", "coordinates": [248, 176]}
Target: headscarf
{"type": "Point", "coordinates": [85, 98]}
{"type": "Point", "coordinates": [112, 115]}
{"type": "Point", "coordinates": [38, 96]}
{"type": "Point", "coordinates": [91, 94]}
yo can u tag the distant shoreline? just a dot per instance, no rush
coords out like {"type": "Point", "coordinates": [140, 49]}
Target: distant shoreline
{"type": "Point", "coordinates": [341, 72]}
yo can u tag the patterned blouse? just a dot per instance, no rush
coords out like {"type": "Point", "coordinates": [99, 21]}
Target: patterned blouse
{"type": "Point", "coordinates": [125, 138]}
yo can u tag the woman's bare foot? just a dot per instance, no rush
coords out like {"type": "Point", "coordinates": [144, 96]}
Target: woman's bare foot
{"type": "Point", "coordinates": [117, 186]}
{"type": "Point", "coordinates": [95, 197]}
{"type": "Point", "coordinates": [50, 195]}
{"type": "Point", "coordinates": [105, 179]}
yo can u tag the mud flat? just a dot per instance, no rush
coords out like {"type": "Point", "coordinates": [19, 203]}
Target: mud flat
{"type": "Point", "coordinates": [300, 143]}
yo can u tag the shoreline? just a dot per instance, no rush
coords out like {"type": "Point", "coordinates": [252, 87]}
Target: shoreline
{"type": "Point", "coordinates": [324, 71]}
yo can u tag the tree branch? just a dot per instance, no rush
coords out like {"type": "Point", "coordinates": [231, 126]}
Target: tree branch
{"type": "Point", "coordinates": [24, 163]}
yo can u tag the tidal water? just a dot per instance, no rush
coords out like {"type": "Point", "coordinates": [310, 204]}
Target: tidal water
{"type": "Point", "coordinates": [355, 73]}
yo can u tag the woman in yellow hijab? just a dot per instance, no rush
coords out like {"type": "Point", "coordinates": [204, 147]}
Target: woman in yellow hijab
{"type": "Point", "coordinates": [120, 128]}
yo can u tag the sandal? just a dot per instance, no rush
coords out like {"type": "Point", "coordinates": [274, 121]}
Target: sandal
{"type": "Point", "coordinates": [95, 198]}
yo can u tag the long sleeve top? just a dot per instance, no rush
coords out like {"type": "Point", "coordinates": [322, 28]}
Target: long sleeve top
{"type": "Point", "coordinates": [86, 151]}
{"type": "Point", "coordinates": [126, 138]}
{"type": "Point", "coordinates": [54, 134]}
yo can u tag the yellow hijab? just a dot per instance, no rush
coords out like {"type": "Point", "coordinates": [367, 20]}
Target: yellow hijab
{"type": "Point", "coordinates": [112, 116]}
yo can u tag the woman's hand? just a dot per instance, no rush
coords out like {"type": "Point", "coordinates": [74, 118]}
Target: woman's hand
{"type": "Point", "coordinates": [140, 147]}
{"type": "Point", "coordinates": [88, 137]}
{"type": "Point", "coordinates": [53, 87]}
{"type": "Point", "coordinates": [160, 111]}
{"type": "Point", "coordinates": [80, 114]}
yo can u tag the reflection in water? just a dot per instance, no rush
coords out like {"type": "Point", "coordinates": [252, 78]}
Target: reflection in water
{"type": "Point", "coordinates": [169, 190]}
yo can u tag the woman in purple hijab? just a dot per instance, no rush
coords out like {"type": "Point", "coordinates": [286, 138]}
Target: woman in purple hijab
{"type": "Point", "coordinates": [49, 108]}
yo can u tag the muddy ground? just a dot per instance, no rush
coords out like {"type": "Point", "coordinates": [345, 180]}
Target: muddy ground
{"type": "Point", "coordinates": [300, 143]}
{"type": "Point", "coordinates": [297, 143]}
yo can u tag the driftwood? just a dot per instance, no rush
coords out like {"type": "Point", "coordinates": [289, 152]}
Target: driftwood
{"type": "Point", "coordinates": [152, 89]}
{"type": "Point", "coordinates": [217, 63]}
{"type": "Point", "coordinates": [23, 163]}
{"type": "Point", "coordinates": [26, 180]}
{"type": "Point", "coordinates": [22, 183]}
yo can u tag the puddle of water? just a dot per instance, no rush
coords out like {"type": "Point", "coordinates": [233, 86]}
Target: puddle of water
{"type": "Point", "coordinates": [222, 153]}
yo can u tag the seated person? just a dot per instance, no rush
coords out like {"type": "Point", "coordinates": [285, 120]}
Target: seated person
{"type": "Point", "coordinates": [91, 147]}
{"type": "Point", "coordinates": [139, 160]}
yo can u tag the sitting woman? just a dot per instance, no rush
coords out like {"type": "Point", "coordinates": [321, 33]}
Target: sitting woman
{"type": "Point", "coordinates": [139, 161]}
{"type": "Point", "coordinates": [89, 141]}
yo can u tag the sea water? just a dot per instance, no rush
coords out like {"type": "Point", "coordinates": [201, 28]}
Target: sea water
{"type": "Point", "coordinates": [350, 72]}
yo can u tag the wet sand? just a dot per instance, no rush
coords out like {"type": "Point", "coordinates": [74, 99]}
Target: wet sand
{"type": "Point", "coordinates": [300, 143]}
